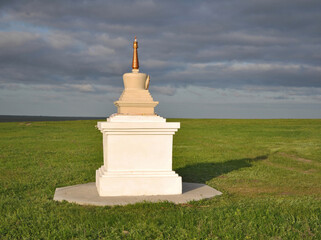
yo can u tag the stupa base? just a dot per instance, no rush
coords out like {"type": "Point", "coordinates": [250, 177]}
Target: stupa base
{"type": "Point", "coordinates": [125, 183]}
{"type": "Point", "coordinates": [137, 157]}
{"type": "Point", "coordinates": [86, 194]}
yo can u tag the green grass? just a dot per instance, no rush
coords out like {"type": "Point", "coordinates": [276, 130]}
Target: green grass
{"type": "Point", "coordinates": [268, 170]}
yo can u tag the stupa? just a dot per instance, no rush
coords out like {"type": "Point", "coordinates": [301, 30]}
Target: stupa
{"type": "Point", "coordinates": [137, 147]}
{"type": "Point", "coordinates": [137, 143]}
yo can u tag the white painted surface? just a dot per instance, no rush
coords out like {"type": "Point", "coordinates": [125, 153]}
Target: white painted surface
{"type": "Point", "coordinates": [135, 118]}
{"type": "Point", "coordinates": [137, 157]}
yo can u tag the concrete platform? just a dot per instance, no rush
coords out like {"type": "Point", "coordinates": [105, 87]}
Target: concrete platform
{"type": "Point", "coordinates": [86, 194]}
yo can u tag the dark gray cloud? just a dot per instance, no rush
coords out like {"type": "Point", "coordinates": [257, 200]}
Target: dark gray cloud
{"type": "Point", "coordinates": [223, 44]}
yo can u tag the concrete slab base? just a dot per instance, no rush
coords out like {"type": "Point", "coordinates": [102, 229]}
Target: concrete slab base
{"type": "Point", "coordinates": [86, 194]}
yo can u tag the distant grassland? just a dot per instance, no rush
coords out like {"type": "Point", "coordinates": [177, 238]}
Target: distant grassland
{"type": "Point", "coordinates": [268, 170]}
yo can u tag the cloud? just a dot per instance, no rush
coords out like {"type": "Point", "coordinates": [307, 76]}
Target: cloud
{"type": "Point", "coordinates": [60, 40]}
{"type": "Point", "coordinates": [165, 90]}
{"type": "Point", "coordinates": [87, 46]}
{"type": "Point", "coordinates": [13, 40]}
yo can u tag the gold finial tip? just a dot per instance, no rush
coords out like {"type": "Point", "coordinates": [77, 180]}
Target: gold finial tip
{"type": "Point", "coordinates": [135, 64]}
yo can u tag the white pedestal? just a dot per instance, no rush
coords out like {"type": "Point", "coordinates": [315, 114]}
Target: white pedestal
{"type": "Point", "coordinates": [137, 157]}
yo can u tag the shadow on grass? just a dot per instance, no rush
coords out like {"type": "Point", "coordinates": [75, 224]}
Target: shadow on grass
{"type": "Point", "coordinates": [202, 172]}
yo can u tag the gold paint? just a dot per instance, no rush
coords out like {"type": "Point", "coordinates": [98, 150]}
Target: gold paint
{"type": "Point", "coordinates": [135, 64]}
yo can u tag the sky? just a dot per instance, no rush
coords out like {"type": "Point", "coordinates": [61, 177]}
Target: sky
{"type": "Point", "coordinates": [206, 59]}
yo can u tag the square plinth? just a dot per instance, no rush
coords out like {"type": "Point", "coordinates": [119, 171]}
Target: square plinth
{"type": "Point", "coordinates": [137, 157]}
{"type": "Point", "coordinates": [137, 183]}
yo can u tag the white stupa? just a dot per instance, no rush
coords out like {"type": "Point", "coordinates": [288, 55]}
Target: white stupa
{"type": "Point", "coordinates": [137, 144]}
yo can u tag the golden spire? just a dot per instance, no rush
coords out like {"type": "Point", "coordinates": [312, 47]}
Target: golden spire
{"type": "Point", "coordinates": [135, 64]}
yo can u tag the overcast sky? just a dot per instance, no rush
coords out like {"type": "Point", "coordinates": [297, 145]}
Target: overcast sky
{"type": "Point", "coordinates": [207, 59]}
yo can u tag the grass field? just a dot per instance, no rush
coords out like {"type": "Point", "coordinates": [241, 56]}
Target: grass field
{"type": "Point", "coordinates": [268, 170]}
